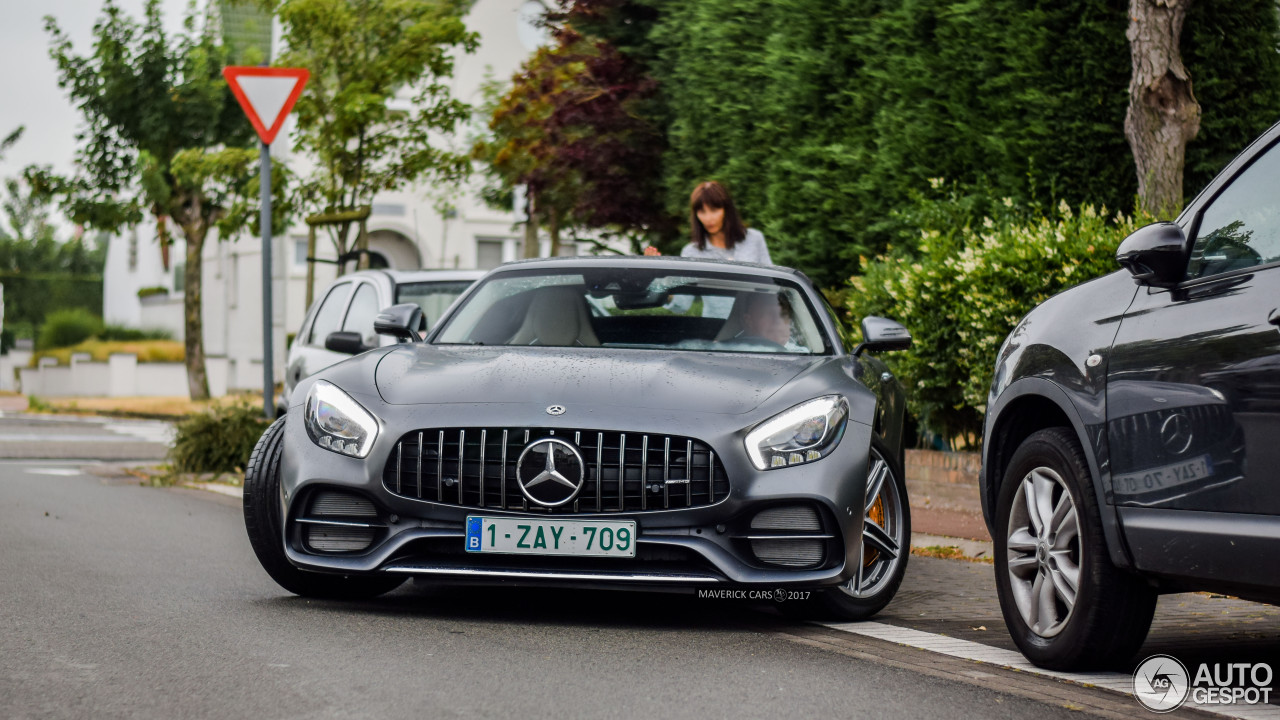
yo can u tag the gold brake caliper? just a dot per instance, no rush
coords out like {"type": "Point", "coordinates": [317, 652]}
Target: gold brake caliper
{"type": "Point", "coordinates": [875, 515]}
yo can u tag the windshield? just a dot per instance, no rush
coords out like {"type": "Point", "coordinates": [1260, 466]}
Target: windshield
{"type": "Point", "coordinates": [638, 308]}
{"type": "Point", "coordinates": [433, 297]}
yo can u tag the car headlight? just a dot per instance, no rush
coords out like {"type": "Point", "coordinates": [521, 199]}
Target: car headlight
{"type": "Point", "coordinates": [336, 422]}
{"type": "Point", "coordinates": [806, 432]}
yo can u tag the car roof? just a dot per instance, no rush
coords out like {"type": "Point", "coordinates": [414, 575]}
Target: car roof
{"type": "Point", "coordinates": [662, 262]}
{"type": "Point", "coordinates": [401, 277]}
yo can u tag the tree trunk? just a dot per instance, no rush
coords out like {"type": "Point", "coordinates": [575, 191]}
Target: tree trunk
{"type": "Point", "coordinates": [531, 245]}
{"type": "Point", "coordinates": [553, 229]}
{"type": "Point", "coordinates": [193, 327]}
{"type": "Point", "coordinates": [1163, 114]}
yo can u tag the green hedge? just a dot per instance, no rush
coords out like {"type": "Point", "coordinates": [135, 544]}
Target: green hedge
{"type": "Point", "coordinates": [966, 287]}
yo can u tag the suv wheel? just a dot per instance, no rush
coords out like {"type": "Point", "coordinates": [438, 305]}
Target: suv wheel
{"type": "Point", "coordinates": [1066, 606]}
{"type": "Point", "coordinates": [262, 521]}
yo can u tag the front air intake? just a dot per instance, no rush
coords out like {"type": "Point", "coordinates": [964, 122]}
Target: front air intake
{"type": "Point", "coordinates": [339, 522]}
{"type": "Point", "coordinates": [789, 553]}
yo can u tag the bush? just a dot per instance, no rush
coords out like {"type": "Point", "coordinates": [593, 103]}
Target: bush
{"type": "Point", "coordinates": [966, 288]}
{"type": "Point", "coordinates": [120, 333]}
{"type": "Point", "coordinates": [147, 292]}
{"type": "Point", "coordinates": [219, 440]}
{"type": "Point", "coordinates": [70, 326]}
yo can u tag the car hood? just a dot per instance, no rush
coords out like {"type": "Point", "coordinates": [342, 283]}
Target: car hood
{"type": "Point", "coordinates": [721, 383]}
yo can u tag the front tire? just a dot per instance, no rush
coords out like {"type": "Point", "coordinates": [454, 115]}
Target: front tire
{"type": "Point", "coordinates": [262, 518]}
{"type": "Point", "coordinates": [1066, 606]}
{"type": "Point", "coordinates": [884, 549]}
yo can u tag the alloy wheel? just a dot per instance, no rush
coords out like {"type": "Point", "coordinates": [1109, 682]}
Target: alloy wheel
{"type": "Point", "coordinates": [1044, 552]}
{"type": "Point", "coordinates": [882, 546]}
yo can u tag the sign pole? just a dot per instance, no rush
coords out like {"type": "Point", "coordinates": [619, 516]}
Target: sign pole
{"type": "Point", "coordinates": [267, 95]}
{"type": "Point", "coordinates": [268, 350]}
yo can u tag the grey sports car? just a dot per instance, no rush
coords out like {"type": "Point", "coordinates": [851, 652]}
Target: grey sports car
{"type": "Point", "coordinates": [657, 422]}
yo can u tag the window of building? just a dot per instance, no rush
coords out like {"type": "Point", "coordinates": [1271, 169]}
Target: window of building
{"type": "Point", "coordinates": [488, 254]}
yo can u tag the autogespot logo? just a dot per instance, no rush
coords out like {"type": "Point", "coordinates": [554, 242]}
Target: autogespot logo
{"type": "Point", "coordinates": [1161, 683]}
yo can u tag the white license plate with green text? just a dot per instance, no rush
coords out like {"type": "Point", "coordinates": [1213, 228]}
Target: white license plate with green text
{"type": "Point", "coordinates": [528, 536]}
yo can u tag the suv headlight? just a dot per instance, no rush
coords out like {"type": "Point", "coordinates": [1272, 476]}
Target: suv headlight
{"type": "Point", "coordinates": [806, 432]}
{"type": "Point", "coordinates": [336, 422]}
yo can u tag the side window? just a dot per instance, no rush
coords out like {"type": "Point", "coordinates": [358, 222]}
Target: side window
{"type": "Point", "coordinates": [364, 308]}
{"type": "Point", "coordinates": [329, 316]}
{"type": "Point", "coordinates": [1241, 227]}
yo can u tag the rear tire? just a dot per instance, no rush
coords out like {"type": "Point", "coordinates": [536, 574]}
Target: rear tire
{"type": "Point", "coordinates": [1066, 606]}
{"type": "Point", "coordinates": [262, 517]}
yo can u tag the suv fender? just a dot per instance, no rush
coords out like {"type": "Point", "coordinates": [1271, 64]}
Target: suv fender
{"type": "Point", "coordinates": [1023, 394]}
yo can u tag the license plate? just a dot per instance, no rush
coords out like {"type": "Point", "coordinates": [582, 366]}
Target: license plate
{"type": "Point", "coordinates": [1163, 478]}
{"type": "Point", "coordinates": [526, 536]}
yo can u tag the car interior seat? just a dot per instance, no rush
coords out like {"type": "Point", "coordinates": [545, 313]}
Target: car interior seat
{"type": "Point", "coordinates": [557, 317]}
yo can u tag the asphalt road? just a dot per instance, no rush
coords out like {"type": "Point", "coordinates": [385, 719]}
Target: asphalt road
{"type": "Point", "coordinates": [124, 601]}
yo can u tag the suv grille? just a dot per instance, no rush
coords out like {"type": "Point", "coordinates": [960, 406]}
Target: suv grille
{"type": "Point", "coordinates": [625, 472]}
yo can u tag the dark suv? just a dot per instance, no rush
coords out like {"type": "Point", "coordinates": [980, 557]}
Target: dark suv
{"type": "Point", "coordinates": [1132, 440]}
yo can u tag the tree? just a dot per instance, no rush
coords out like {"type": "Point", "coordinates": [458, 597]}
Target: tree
{"type": "Point", "coordinates": [366, 58]}
{"type": "Point", "coordinates": [164, 136]}
{"type": "Point", "coordinates": [573, 128]}
{"type": "Point", "coordinates": [1163, 114]}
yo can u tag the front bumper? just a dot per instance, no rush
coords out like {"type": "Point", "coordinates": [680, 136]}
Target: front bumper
{"type": "Point", "coordinates": [678, 548]}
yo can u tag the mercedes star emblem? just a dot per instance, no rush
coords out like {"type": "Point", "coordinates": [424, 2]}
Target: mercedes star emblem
{"type": "Point", "coordinates": [550, 472]}
{"type": "Point", "coordinates": [1176, 433]}
{"type": "Point", "coordinates": [555, 410]}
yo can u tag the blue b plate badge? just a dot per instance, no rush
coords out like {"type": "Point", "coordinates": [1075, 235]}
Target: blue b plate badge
{"type": "Point", "coordinates": [530, 536]}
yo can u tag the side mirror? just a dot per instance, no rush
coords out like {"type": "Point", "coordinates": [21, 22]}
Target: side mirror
{"type": "Point", "coordinates": [400, 321]}
{"type": "Point", "coordinates": [882, 335]}
{"type": "Point", "coordinates": [348, 343]}
{"type": "Point", "coordinates": [1155, 254]}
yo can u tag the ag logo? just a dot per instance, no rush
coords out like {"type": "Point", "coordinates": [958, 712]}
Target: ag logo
{"type": "Point", "coordinates": [1161, 683]}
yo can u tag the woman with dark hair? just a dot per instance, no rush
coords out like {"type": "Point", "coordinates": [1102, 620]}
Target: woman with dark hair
{"type": "Point", "coordinates": [717, 230]}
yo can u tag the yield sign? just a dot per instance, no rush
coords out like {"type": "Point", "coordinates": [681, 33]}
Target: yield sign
{"type": "Point", "coordinates": [266, 94]}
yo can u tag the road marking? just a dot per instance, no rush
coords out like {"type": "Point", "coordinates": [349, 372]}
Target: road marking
{"type": "Point", "coordinates": [65, 472]}
{"type": "Point", "coordinates": [969, 650]}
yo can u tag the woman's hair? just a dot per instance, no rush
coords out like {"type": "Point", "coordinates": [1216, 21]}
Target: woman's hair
{"type": "Point", "coordinates": [713, 194]}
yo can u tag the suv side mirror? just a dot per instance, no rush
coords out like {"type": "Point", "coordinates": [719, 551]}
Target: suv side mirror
{"type": "Point", "coordinates": [348, 343]}
{"type": "Point", "coordinates": [882, 335]}
{"type": "Point", "coordinates": [1155, 254]}
{"type": "Point", "coordinates": [400, 321]}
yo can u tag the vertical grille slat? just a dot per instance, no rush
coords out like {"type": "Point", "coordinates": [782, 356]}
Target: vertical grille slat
{"type": "Point", "coordinates": [502, 484]}
{"type": "Point", "coordinates": [644, 473]}
{"type": "Point", "coordinates": [666, 473]}
{"type": "Point", "coordinates": [399, 463]}
{"type": "Point", "coordinates": [484, 437]}
{"type": "Point", "coordinates": [440, 468]}
{"type": "Point", "coordinates": [599, 477]}
{"type": "Point", "coordinates": [688, 473]}
{"type": "Point", "coordinates": [628, 491]}
{"type": "Point", "coordinates": [622, 472]}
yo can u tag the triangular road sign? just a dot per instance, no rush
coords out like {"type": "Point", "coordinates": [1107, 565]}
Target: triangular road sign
{"type": "Point", "coordinates": [267, 95]}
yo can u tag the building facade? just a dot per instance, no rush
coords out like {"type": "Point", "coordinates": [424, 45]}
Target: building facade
{"type": "Point", "coordinates": [419, 227]}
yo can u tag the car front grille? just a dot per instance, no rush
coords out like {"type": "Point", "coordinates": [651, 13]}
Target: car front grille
{"type": "Point", "coordinates": [625, 472]}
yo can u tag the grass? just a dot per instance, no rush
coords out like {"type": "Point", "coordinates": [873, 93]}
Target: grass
{"type": "Point", "coordinates": [153, 407]}
{"type": "Point", "coordinates": [148, 351]}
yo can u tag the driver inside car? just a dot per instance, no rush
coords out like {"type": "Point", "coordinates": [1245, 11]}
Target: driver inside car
{"type": "Point", "coordinates": [767, 317]}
